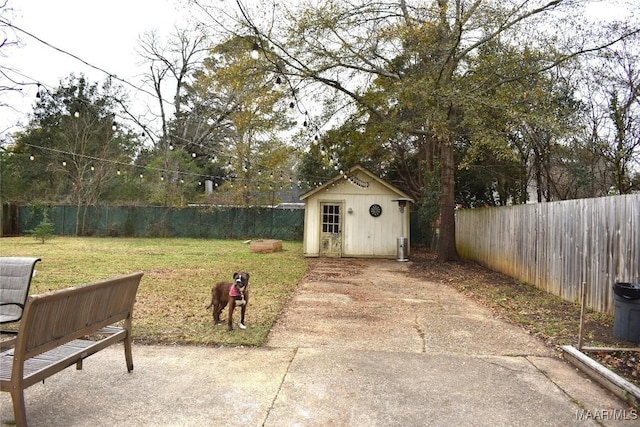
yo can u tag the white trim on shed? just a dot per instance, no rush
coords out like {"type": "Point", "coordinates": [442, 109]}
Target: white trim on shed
{"type": "Point", "coordinates": [355, 215]}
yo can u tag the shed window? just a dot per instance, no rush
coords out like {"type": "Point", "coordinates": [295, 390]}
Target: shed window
{"type": "Point", "coordinates": [331, 218]}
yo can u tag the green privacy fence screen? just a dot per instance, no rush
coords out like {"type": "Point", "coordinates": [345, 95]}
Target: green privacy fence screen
{"type": "Point", "coordinates": [197, 222]}
{"type": "Point", "coordinates": [204, 222]}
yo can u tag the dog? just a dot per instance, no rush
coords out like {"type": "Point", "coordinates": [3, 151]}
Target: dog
{"type": "Point", "coordinates": [235, 294]}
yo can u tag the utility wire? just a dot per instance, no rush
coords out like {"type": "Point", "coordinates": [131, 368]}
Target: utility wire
{"type": "Point", "coordinates": [111, 75]}
{"type": "Point", "coordinates": [115, 77]}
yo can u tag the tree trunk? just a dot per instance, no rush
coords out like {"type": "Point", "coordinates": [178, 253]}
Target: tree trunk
{"type": "Point", "coordinates": [447, 239]}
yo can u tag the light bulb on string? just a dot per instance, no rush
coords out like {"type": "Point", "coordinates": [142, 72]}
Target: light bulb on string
{"type": "Point", "coordinates": [32, 157]}
{"type": "Point", "coordinates": [255, 51]}
{"type": "Point", "coordinates": [76, 114]}
{"type": "Point", "coordinates": [114, 126]}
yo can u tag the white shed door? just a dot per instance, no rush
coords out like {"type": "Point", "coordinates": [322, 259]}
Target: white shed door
{"type": "Point", "coordinates": [331, 230]}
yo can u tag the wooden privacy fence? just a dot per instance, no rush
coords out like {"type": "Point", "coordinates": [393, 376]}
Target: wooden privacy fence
{"type": "Point", "coordinates": [559, 245]}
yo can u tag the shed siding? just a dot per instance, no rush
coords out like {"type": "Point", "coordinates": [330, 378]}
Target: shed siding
{"type": "Point", "coordinates": [363, 235]}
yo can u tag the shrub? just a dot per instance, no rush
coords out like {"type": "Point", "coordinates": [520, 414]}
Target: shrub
{"type": "Point", "coordinates": [44, 230]}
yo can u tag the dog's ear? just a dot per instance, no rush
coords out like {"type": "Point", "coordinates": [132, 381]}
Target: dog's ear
{"type": "Point", "coordinates": [248, 276]}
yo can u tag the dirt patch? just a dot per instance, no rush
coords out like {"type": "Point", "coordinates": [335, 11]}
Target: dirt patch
{"type": "Point", "coordinates": [548, 317]}
{"type": "Point", "coordinates": [328, 269]}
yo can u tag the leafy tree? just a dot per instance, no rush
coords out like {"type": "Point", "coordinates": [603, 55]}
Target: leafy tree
{"type": "Point", "coordinates": [411, 69]}
{"type": "Point", "coordinates": [75, 146]}
{"type": "Point", "coordinates": [246, 113]}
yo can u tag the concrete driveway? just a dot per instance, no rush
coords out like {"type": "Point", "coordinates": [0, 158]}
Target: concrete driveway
{"type": "Point", "coordinates": [359, 344]}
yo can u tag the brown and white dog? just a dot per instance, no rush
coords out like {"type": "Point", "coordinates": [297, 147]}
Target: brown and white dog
{"type": "Point", "coordinates": [235, 293]}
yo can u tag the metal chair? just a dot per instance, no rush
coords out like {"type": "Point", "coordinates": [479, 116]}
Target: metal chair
{"type": "Point", "coordinates": [15, 280]}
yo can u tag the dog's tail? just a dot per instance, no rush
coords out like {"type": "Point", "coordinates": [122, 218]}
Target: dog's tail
{"type": "Point", "coordinates": [209, 306]}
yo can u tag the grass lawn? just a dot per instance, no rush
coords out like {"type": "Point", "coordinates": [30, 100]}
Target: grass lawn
{"type": "Point", "coordinates": [177, 281]}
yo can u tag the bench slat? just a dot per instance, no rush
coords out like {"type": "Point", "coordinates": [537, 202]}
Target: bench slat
{"type": "Point", "coordinates": [40, 366]}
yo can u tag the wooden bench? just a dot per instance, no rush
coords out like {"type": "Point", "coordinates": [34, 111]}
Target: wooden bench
{"type": "Point", "coordinates": [62, 328]}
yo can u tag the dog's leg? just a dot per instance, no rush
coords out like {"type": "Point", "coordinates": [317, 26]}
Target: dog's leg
{"type": "Point", "coordinates": [232, 305]}
{"type": "Point", "coordinates": [217, 311]}
{"type": "Point", "coordinates": [242, 311]}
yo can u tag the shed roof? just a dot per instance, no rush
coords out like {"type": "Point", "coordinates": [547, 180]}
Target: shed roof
{"type": "Point", "coordinates": [352, 173]}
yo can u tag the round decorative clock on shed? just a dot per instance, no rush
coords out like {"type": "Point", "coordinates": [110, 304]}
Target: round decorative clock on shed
{"type": "Point", "coordinates": [375, 210]}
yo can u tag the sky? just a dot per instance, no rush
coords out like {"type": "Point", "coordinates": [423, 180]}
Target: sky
{"type": "Point", "coordinates": [102, 33]}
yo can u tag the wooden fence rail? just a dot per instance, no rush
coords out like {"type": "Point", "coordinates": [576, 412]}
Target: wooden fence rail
{"type": "Point", "coordinates": [559, 245]}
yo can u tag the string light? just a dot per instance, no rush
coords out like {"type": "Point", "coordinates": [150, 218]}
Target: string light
{"type": "Point", "coordinates": [292, 104]}
{"type": "Point", "coordinates": [255, 51]}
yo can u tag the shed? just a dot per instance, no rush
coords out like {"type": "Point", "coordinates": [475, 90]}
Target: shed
{"type": "Point", "coordinates": [355, 215]}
